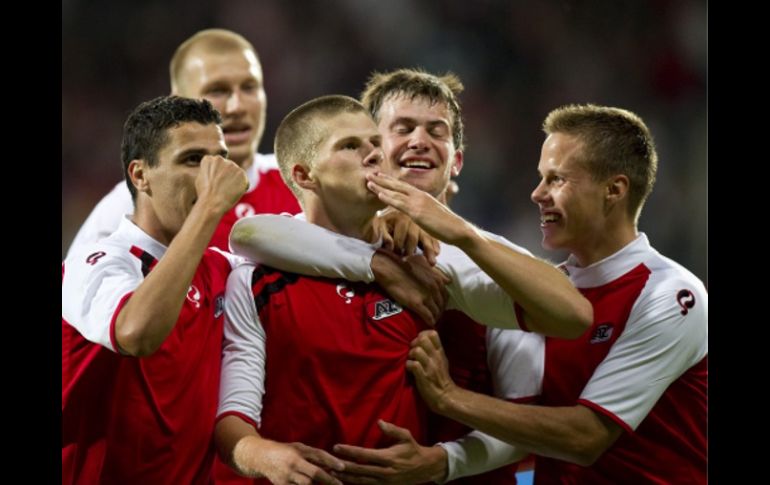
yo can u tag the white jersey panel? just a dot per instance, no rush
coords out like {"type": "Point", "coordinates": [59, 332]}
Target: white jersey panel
{"type": "Point", "coordinates": [105, 218]}
{"type": "Point", "coordinates": [663, 338]}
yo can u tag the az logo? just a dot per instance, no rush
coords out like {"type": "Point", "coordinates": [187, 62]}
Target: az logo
{"type": "Point", "coordinates": [385, 309]}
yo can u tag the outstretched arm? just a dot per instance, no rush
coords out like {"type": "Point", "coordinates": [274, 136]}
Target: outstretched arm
{"type": "Point", "coordinates": [551, 304]}
{"type": "Point", "coordinates": [572, 433]}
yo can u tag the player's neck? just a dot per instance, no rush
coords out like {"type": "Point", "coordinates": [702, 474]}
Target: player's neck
{"type": "Point", "coordinates": [356, 223]}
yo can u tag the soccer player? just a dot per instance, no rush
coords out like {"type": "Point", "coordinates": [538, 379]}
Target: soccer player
{"type": "Point", "coordinates": [353, 338]}
{"type": "Point", "coordinates": [419, 117]}
{"type": "Point", "coordinates": [142, 310]}
{"type": "Point", "coordinates": [220, 66]}
{"type": "Point", "coordinates": [628, 398]}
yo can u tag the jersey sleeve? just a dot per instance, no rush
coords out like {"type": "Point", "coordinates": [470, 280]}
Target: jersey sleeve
{"type": "Point", "coordinates": [477, 453]}
{"type": "Point", "coordinates": [516, 360]}
{"type": "Point", "coordinates": [242, 383]}
{"type": "Point", "coordinates": [105, 217]}
{"type": "Point", "coordinates": [474, 292]}
{"type": "Point", "coordinates": [98, 280]}
{"type": "Point", "coordinates": [294, 245]}
{"type": "Point", "coordinates": [662, 339]}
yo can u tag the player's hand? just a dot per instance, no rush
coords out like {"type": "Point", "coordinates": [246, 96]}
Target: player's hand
{"type": "Point", "coordinates": [413, 283]}
{"type": "Point", "coordinates": [430, 214]}
{"type": "Point", "coordinates": [294, 463]}
{"type": "Point", "coordinates": [220, 183]}
{"type": "Point", "coordinates": [403, 462]}
{"type": "Point", "coordinates": [428, 364]}
{"type": "Point", "coordinates": [403, 236]}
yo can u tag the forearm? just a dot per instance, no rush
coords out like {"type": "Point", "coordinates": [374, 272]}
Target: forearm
{"type": "Point", "coordinates": [153, 309]}
{"type": "Point", "coordinates": [552, 305]}
{"type": "Point", "coordinates": [239, 445]}
{"type": "Point", "coordinates": [574, 434]}
{"type": "Point", "coordinates": [298, 246]}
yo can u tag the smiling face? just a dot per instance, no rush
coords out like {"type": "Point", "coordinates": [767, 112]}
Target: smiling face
{"type": "Point", "coordinates": [571, 203]}
{"type": "Point", "coordinates": [168, 188]}
{"type": "Point", "coordinates": [418, 144]}
{"type": "Point", "coordinates": [232, 81]}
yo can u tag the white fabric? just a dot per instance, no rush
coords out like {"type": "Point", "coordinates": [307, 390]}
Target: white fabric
{"type": "Point", "coordinates": [293, 244]}
{"type": "Point", "coordinates": [105, 218]}
{"type": "Point", "coordinates": [242, 383]}
{"type": "Point", "coordinates": [516, 360]}
{"type": "Point", "coordinates": [300, 247]}
{"type": "Point", "coordinates": [477, 453]}
{"type": "Point", "coordinates": [91, 292]}
{"type": "Point", "coordinates": [658, 344]}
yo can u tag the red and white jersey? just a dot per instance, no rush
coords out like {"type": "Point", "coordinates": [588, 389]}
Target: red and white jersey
{"type": "Point", "coordinates": [643, 364]}
{"type": "Point", "coordinates": [128, 419]}
{"type": "Point", "coordinates": [317, 360]}
{"type": "Point", "coordinates": [267, 194]}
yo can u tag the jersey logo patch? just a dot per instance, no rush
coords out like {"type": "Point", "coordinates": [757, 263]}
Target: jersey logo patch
{"type": "Point", "coordinates": [385, 309]}
{"type": "Point", "coordinates": [93, 258]}
{"type": "Point", "coordinates": [219, 305]}
{"type": "Point", "coordinates": [345, 292]}
{"type": "Point", "coordinates": [243, 209]}
{"type": "Point", "coordinates": [602, 333]}
{"type": "Point", "coordinates": [194, 296]}
{"type": "Point", "coordinates": [686, 300]}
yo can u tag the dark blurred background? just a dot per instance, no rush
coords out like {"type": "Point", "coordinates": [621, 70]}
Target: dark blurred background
{"type": "Point", "coordinates": [517, 59]}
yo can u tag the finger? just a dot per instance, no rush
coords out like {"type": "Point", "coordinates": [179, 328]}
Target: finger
{"type": "Point", "coordinates": [319, 457]}
{"type": "Point", "coordinates": [363, 479]}
{"type": "Point", "coordinates": [393, 431]}
{"type": "Point", "coordinates": [418, 354]}
{"type": "Point", "coordinates": [400, 235]}
{"type": "Point", "coordinates": [428, 248]}
{"type": "Point", "coordinates": [321, 476]}
{"type": "Point", "coordinates": [416, 369]}
{"type": "Point", "coordinates": [435, 340]}
{"type": "Point", "coordinates": [390, 182]}
{"type": "Point", "coordinates": [366, 455]}
{"type": "Point", "coordinates": [391, 198]}
{"type": "Point", "coordinates": [425, 314]}
{"type": "Point", "coordinates": [413, 234]}
{"type": "Point", "coordinates": [387, 241]}
{"type": "Point", "coordinates": [441, 276]}
{"type": "Point", "coordinates": [435, 311]}
{"type": "Point", "coordinates": [423, 336]}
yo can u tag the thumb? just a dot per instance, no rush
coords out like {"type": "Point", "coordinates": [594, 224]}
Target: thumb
{"type": "Point", "coordinates": [393, 431]}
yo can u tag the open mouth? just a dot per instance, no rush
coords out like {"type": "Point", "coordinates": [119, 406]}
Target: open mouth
{"type": "Point", "coordinates": [549, 218]}
{"type": "Point", "coordinates": [418, 163]}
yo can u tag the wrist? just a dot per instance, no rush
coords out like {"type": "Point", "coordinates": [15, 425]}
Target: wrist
{"type": "Point", "coordinates": [438, 459]}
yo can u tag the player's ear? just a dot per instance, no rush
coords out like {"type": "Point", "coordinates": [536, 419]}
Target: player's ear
{"type": "Point", "coordinates": [457, 163]}
{"type": "Point", "coordinates": [303, 176]}
{"type": "Point", "coordinates": [137, 172]}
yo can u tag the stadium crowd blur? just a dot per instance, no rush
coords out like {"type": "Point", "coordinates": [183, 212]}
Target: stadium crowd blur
{"type": "Point", "coordinates": [518, 60]}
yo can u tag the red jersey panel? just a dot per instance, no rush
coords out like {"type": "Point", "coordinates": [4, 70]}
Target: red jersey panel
{"type": "Point", "coordinates": [151, 419]}
{"type": "Point", "coordinates": [336, 363]}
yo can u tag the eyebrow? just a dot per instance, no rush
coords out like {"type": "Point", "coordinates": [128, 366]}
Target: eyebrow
{"type": "Point", "coordinates": [431, 123]}
{"type": "Point", "coordinates": [199, 151]}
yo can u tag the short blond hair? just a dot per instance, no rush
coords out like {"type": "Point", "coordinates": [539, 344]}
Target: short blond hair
{"type": "Point", "coordinates": [614, 141]}
{"type": "Point", "coordinates": [209, 40]}
{"type": "Point", "coordinates": [414, 83]}
{"type": "Point", "coordinates": [303, 130]}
